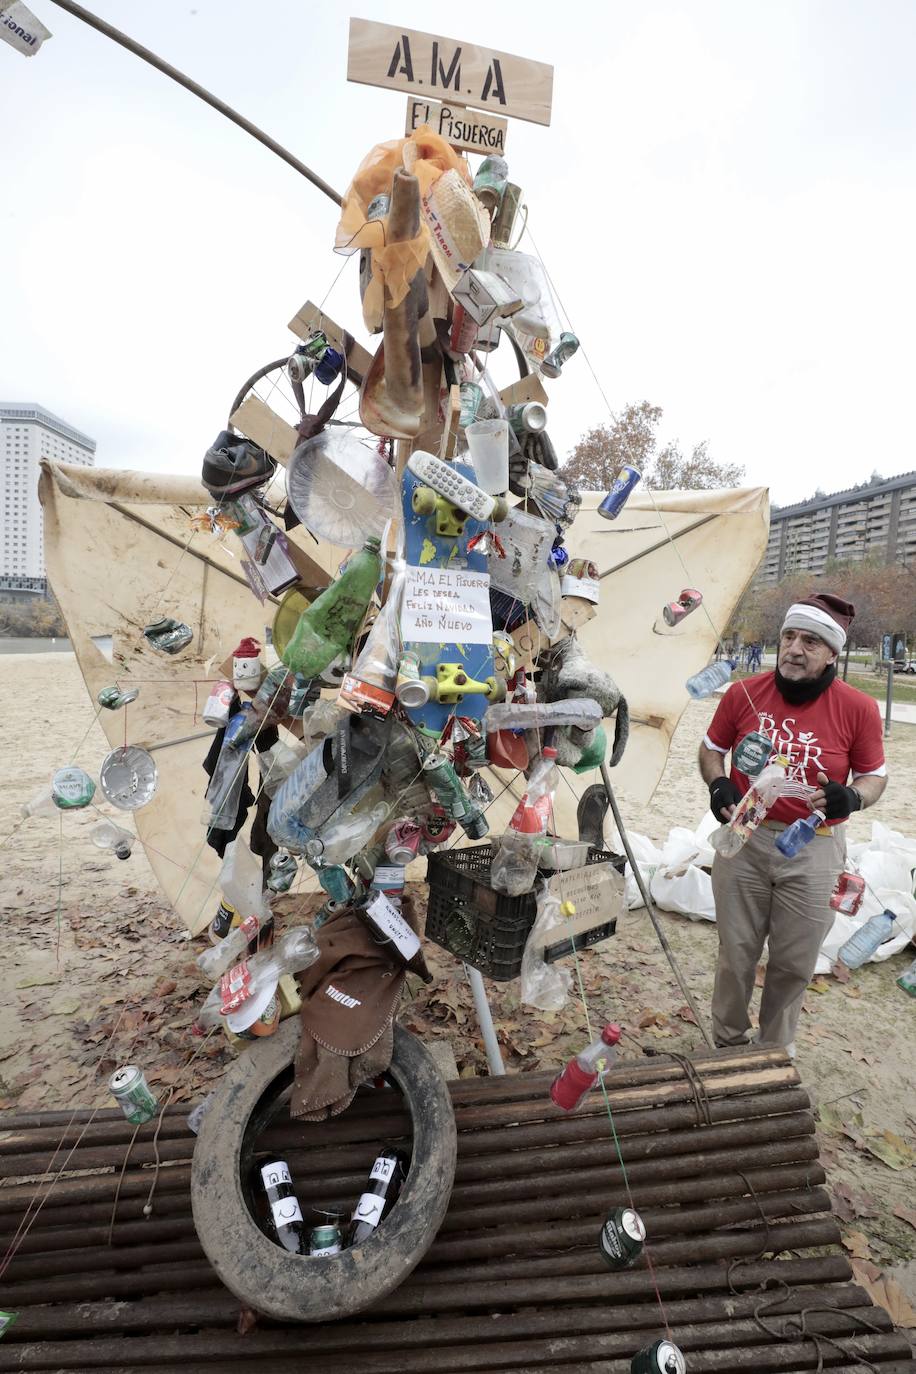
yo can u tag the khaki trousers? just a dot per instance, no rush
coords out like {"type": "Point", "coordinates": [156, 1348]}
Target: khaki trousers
{"type": "Point", "coordinates": [761, 895]}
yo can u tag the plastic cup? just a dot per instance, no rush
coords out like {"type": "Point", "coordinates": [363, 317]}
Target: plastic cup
{"type": "Point", "coordinates": [488, 441]}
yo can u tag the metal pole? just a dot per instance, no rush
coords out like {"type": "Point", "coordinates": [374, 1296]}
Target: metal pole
{"type": "Point", "coordinates": [485, 1017]}
{"type": "Point", "coordinates": [214, 101]}
{"type": "Point", "coordinates": [653, 914]}
{"type": "Point", "coordinates": [890, 699]}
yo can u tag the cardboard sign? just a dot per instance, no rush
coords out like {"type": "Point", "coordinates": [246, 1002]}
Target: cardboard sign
{"type": "Point", "coordinates": [425, 64]}
{"type": "Point", "coordinates": [597, 893]}
{"type": "Point", "coordinates": [467, 130]}
{"type": "Point", "coordinates": [446, 606]}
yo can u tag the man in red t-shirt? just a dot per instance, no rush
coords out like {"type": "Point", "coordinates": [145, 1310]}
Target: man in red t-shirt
{"type": "Point", "coordinates": [827, 730]}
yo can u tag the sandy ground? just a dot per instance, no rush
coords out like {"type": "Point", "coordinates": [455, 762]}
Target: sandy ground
{"type": "Point", "coordinates": [100, 974]}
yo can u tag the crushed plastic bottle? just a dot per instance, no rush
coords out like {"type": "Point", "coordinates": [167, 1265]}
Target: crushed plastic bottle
{"type": "Point", "coordinates": [42, 804]}
{"type": "Point", "coordinates": [339, 841]}
{"type": "Point", "coordinates": [582, 712]}
{"type": "Point", "coordinates": [106, 835]}
{"type": "Point", "coordinates": [764, 791]}
{"type": "Point", "coordinates": [702, 684]}
{"type": "Point", "coordinates": [860, 946]}
{"type": "Point", "coordinates": [801, 832]}
{"type": "Point", "coordinates": [248, 987]}
{"type": "Point", "coordinates": [218, 958]}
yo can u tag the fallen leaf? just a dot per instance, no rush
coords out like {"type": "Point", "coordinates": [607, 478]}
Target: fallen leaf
{"type": "Point", "coordinates": [840, 972]}
{"type": "Point", "coordinates": [64, 1006]}
{"type": "Point", "coordinates": [759, 975]}
{"type": "Point", "coordinates": [652, 1018]}
{"type": "Point", "coordinates": [819, 985]}
{"type": "Point", "coordinates": [248, 1320]}
{"type": "Point", "coordinates": [891, 1149]}
{"type": "Point", "coordinates": [856, 1242]}
{"type": "Point", "coordinates": [884, 1291]}
{"type": "Point", "coordinates": [685, 1014]}
{"type": "Point", "coordinates": [37, 980]}
{"type": "Point", "coordinates": [165, 987]}
{"type": "Point", "coordinates": [906, 1214]}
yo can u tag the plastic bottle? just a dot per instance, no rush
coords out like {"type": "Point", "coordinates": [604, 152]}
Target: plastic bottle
{"type": "Point", "coordinates": [42, 804]}
{"type": "Point", "coordinates": [711, 677]}
{"type": "Point", "coordinates": [225, 789]}
{"type": "Point", "coordinates": [251, 983]}
{"type": "Point", "coordinates": [542, 783]}
{"type": "Point", "coordinates": [799, 833]}
{"type": "Point", "coordinates": [326, 628]}
{"type": "Point", "coordinates": [241, 881]}
{"type": "Point", "coordinates": [861, 946]}
{"type": "Point", "coordinates": [218, 958]}
{"type": "Point", "coordinates": [106, 835]}
{"type": "Point", "coordinates": [379, 1196]}
{"type": "Point", "coordinates": [283, 822]}
{"type": "Point", "coordinates": [515, 861]}
{"type": "Point", "coordinates": [582, 1073]}
{"type": "Point", "coordinates": [771, 784]}
{"type": "Point", "coordinates": [582, 712]}
{"type": "Point", "coordinates": [343, 838]}
{"type": "Point", "coordinates": [907, 980]}
{"type": "Point", "coordinates": [335, 881]}
{"type": "Point", "coordinates": [371, 683]}
{"type": "Point", "coordinates": [269, 707]}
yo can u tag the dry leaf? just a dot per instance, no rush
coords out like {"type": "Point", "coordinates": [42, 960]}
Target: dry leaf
{"type": "Point", "coordinates": [906, 1214]}
{"type": "Point", "coordinates": [819, 985]}
{"type": "Point", "coordinates": [884, 1291]}
{"type": "Point", "coordinates": [856, 1242]}
{"type": "Point", "coordinates": [840, 972]}
{"type": "Point", "coordinates": [37, 980]}
{"type": "Point", "coordinates": [759, 975]}
{"type": "Point", "coordinates": [891, 1149]}
{"type": "Point", "coordinates": [248, 1320]}
{"type": "Point", "coordinates": [685, 1014]}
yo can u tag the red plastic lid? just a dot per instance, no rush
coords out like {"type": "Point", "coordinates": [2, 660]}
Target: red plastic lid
{"type": "Point", "coordinates": [549, 752]}
{"type": "Point", "coordinates": [248, 648]}
{"type": "Point", "coordinates": [611, 1033]}
{"type": "Point", "coordinates": [528, 820]}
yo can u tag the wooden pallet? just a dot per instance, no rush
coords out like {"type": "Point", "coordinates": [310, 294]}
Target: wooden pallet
{"type": "Point", "coordinates": [723, 1169]}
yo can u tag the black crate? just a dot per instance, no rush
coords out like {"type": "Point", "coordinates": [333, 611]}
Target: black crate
{"type": "Point", "coordinates": [487, 929]}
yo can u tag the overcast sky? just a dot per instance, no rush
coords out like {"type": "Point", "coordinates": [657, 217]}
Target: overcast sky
{"type": "Point", "coordinates": [724, 198]}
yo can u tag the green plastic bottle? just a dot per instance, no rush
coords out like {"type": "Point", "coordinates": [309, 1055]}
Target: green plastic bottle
{"type": "Point", "coordinates": [326, 628]}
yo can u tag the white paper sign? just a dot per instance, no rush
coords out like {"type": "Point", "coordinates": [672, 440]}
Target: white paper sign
{"type": "Point", "coordinates": [391, 923]}
{"type": "Point", "coordinates": [20, 28]}
{"type": "Point", "coordinates": [446, 605]}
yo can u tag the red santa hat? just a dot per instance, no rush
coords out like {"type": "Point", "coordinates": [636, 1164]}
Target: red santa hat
{"type": "Point", "coordinates": [824, 615]}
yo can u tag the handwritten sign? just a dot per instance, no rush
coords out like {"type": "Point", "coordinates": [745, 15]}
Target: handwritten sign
{"type": "Point", "coordinates": [446, 605]}
{"type": "Point", "coordinates": [464, 129]}
{"type": "Point", "coordinates": [425, 64]}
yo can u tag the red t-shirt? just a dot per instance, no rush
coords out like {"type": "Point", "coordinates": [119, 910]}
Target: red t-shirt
{"type": "Point", "coordinates": [838, 733]}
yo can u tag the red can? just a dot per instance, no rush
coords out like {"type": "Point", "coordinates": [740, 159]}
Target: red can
{"type": "Point", "coordinates": [403, 842]}
{"type": "Point", "coordinates": [848, 892]}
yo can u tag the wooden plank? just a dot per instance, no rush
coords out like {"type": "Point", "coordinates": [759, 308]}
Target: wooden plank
{"type": "Point", "coordinates": [402, 59]}
{"type": "Point", "coordinates": [265, 428]}
{"type": "Point", "coordinates": [529, 388]}
{"type": "Point", "coordinates": [467, 130]}
{"type": "Point", "coordinates": [310, 317]}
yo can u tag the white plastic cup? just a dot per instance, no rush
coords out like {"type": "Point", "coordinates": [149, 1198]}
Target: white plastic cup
{"type": "Point", "coordinates": [488, 441]}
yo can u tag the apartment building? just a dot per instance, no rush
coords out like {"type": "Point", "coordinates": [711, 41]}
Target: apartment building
{"type": "Point", "coordinates": [29, 433]}
{"type": "Point", "coordinates": [878, 520]}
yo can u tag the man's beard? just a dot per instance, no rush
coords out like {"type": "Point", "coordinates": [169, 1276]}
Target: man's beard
{"type": "Point", "coordinates": [797, 693]}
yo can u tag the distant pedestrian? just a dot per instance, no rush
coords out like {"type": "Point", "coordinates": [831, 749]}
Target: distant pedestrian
{"type": "Point", "coordinates": [755, 658]}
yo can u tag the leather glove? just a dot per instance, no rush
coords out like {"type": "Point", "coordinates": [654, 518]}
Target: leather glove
{"type": "Point", "coordinates": [723, 792]}
{"type": "Point", "coordinates": [840, 801]}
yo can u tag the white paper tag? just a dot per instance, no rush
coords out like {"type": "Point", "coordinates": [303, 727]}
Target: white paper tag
{"type": "Point", "coordinates": [285, 1210]}
{"type": "Point", "coordinates": [383, 1168]}
{"type": "Point", "coordinates": [369, 1209]}
{"type": "Point", "coordinates": [391, 923]}
{"type": "Point", "coordinates": [388, 877]}
{"type": "Point", "coordinates": [20, 28]}
{"type": "Point", "coordinates": [446, 605]}
{"type": "Point", "coordinates": [272, 1174]}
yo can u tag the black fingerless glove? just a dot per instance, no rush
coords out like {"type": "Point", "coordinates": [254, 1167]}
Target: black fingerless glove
{"type": "Point", "coordinates": [841, 801]}
{"type": "Point", "coordinates": [723, 792]}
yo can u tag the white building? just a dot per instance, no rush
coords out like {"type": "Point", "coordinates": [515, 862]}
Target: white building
{"type": "Point", "coordinates": [29, 433]}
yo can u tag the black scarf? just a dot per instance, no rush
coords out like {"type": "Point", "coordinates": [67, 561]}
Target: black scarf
{"type": "Point", "coordinates": [800, 693]}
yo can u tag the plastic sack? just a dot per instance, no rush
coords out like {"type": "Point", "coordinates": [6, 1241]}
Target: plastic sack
{"type": "Point", "coordinates": [394, 265]}
{"type": "Point", "coordinates": [545, 986]}
{"type": "Point", "coordinates": [686, 890]}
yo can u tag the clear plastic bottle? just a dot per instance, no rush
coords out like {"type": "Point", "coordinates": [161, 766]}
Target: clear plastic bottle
{"type": "Point", "coordinates": [225, 789]}
{"type": "Point", "coordinates": [241, 881]}
{"type": "Point", "coordinates": [582, 1073]}
{"type": "Point", "coordinates": [515, 861]}
{"type": "Point", "coordinates": [252, 981]}
{"type": "Point", "coordinates": [907, 980]}
{"type": "Point", "coordinates": [801, 832]}
{"type": "Point", "coordinates": [339, 841]}
{"type": "Point", "coordinates": [371, 683]}
{"type": "Point", "coordinates": [215, 961]}
{"type": "Point", "coordinates": [702, 684]}
{"type": "Point", "coordinates": [771, 784]}
{"type": "Point", "coordinates": [283, 822]}
{"type": "Point", "coordinates": [861, 946]}
{"type": "Point", "coordinates": [106, 835]}
{"type": "Point", "coordinates": [42, 804]}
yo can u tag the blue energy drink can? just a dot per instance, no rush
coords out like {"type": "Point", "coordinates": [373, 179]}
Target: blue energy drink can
{"type": "Point", "coordinates": [616, 498]}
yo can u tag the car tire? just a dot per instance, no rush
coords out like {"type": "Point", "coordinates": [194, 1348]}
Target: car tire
{"type": "Point", "coordinates": [298, 1287]}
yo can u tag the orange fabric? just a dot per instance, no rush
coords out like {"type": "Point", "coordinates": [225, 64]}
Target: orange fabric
{"type": "Point", "coordinates": [394, 265]}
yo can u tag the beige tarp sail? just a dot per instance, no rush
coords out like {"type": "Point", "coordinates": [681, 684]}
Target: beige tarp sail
{"type": "Point", "coordinates": [121, 551]}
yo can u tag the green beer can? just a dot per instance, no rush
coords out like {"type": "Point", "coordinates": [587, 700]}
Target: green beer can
{"type": "Point", "coordinates": [622, 1237]}
{"type": "Point", "coordinates": [662, 1357]}
{"type": "Point", "coordinates": [131, 1091]}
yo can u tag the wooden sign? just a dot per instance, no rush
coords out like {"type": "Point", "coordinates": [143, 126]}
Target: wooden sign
{"type": "Point", "coordinates": [467, 130]}
{"type": "Point", "coordinates": [309, 318]}
{"type": "Point", "coordinates": [424, 64]}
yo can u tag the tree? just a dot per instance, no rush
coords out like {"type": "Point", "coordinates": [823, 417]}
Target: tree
{"type": "Point", "coordinates": [630, 437]}
{"type": "Point", "coordinates": [882, 593]}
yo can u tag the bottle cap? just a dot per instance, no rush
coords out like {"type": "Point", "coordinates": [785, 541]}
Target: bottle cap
{"type": "Point", "coordinates": [567, 908]}
{"type": "Point", "coordinates": [611, 1033]}
{"type": "Point", "coordinates": [549, 752]}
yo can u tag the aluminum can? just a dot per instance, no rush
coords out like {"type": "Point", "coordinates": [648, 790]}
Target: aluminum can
{"type": "Point", "coordinates": [113, 699]}
{"type": "Point", "coordinates": [168, 635]}
{"type": "Point", "coordinates": [223, 921]}
{"type": "Point", "coordinates": [622, 1237]}
{"type": "Point", "coordinates": [848, 892]}
{"type": "Point", "coordinates": [529, 418]}
{"type": "Point", "coordinates": [616, 498]}
{"type": "Point", "coordinates": [378, 206]}
{"type": "Point", "coordinates": [490, 181]}
{"type": "Point", "coordinates": [216, 711]}
{"type": "Point", "coordinates": [505, 217]}
{"type": "Point", "coordinates": [552, 365]}
{"type": "Point", "coordinates": [325, 1240]}
{"type": "Point", "coordinates": [471, 399]}
{"type": "Point", "coordinates": [662, 1357]}
{"type": "Point", "coordinates": [131, 1091]}
{"type": "Point", "coordinates": [463, 333]}
{"type": "Point", "coordinates": [437, 828]}
{"type": "Point", "coordinates": [753, 753]}
{"type": "Point", "coordinates": [410, 689]}
{"type": "Point", "coordinates": [403, 842]}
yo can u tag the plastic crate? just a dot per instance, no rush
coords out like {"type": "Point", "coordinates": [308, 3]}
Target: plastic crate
{"type": "Point", "coordinates": [487, 929]}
